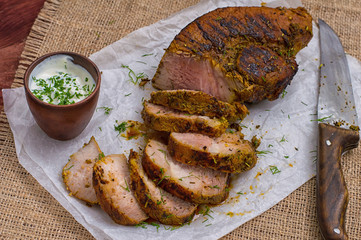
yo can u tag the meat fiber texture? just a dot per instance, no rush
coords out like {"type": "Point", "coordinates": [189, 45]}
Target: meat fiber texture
{"type": "Point", "coordinates": [191, 183]}
{"type": "Point", "coordinates": [77, 173]}
{"type": "Point", "coordinates": [164, 119]}
{"type": "Point", "coordinates": [111, 182]}
{"type": "Point", "coordinates": [288, 135]}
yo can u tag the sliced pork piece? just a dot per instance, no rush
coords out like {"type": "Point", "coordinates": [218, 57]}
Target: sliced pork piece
{"type": "Point", "coordinates": [241, 54]}
{"type": "Point", "coordinates": [78, 172]}
{"type": "Point", "coordinates": [164, 119]}
{"type": "Point", "coordinates": [199, 103]}
{"type": "Point", "coordinates": [157, 203]}
{"type": "Point", "coordinates": [111, 182]}
{"type": "Point", "coordinates": [227, 153]}
{"type": "Point", "coordinates": [191, 183]}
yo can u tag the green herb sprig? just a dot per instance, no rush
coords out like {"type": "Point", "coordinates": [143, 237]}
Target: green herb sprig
{"type": "Point", "coordinates": [134, 77]}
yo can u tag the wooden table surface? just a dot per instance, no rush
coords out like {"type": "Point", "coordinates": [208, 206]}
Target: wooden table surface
{"type": "Point", "coordinates": [17, 17]}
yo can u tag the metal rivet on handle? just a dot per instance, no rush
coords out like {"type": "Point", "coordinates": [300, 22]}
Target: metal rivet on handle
{"type": "Point", "coordinates": [328, 142]}
{"type": "Point", "coordinates": [336, 230]}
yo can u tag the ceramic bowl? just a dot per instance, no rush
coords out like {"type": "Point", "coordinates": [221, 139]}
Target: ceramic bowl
{"type": "Point", "coordinates": [64, 122]}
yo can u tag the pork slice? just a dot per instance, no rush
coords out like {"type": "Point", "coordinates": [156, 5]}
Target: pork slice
{"type": "Point", "coordinates": [244, 54]}
{"type": "Point", "coordinates": [111, 181]}
{"type": "Point", "coordinates": [227, 153]}
{"type": "Point", "coordinates": [191, 183]}
{"type": "Point", "coordinates": [77, 173]}
{"type": "Point", "coordinates": [157, 203]}
{"type": "Point", "coordinates": [164, 119]}
{"type": "Point", "coordinates": [199, 103]}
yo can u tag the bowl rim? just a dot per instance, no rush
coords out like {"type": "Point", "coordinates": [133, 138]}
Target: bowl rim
{"type": "Point", "coordinates": [40, 59]}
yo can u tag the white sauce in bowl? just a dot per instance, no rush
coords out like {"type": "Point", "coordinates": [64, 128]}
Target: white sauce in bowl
{"type": "Point", "coordinates": [57, 80]}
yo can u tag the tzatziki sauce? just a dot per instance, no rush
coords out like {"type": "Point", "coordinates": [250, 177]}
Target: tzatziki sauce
{"type": "Point", "coordinates": [57, 80]}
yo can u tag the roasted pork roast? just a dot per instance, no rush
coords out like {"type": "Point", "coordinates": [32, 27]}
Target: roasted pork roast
{"type": "Point", "coordinates": [191, 183]}
{"type": "Point", "coordinates": [111, 181]}
{"type": "Point", "coordinates": [243, 54]}
{"type": "Point", "coordinates": [156, 202]}
{"type": "Point", "coordinates": [227, 153]}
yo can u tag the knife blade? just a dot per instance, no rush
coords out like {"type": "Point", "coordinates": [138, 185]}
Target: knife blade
{"type": "Point", "coordinates": [338, 132]}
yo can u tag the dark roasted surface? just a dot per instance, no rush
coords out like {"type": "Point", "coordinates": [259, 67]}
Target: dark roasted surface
{"type": "Point", "coordinates": [237, 53]}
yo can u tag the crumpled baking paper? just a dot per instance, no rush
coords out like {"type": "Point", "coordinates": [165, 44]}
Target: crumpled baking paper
{"type": "Point", "coordinates": [287, 129]}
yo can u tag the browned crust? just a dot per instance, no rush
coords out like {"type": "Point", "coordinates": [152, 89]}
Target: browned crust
{"type": "Point", "coordinates": [170, 185]}
{"type": "Point", "coordinates": [239, 162]}
{"type": "Point", "coordinates": [220, 35]}
{"type": "Point", "coordinates": [169, 123]}
{"type": "Point", "coordinates": [142, 194]}
{"type": "Point", "coordinates": [106, 203]}
{"type": "Point", "coordinates": [280, 28]}
{"type": "Point", "coordinates": [198, 103]}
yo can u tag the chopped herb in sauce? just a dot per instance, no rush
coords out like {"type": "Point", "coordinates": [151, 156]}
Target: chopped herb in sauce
{"type": "Point", "coordinates": [61, 89]}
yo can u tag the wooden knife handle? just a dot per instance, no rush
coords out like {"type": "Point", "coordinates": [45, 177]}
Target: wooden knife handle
{"type": "Point", "coordinates": [332, 194]}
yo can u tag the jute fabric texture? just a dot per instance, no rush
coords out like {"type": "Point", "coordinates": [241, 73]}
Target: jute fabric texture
{"type": "Point", "coordinates": [27, 211]}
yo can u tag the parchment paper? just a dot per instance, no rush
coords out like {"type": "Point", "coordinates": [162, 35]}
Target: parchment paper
{"type": "Point", "coordinates": [287, 128]}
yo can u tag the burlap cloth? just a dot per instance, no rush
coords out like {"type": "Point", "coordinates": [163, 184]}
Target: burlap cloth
{"type": "Point", "coordinates": [27, 211]}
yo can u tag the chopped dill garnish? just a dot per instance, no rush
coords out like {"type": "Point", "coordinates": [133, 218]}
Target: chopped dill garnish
{"type": "Point", "coordinates": [155, 225]}
{"type": "Point", "coordinates": [134, 77]}
{"type": "Point", "coordinates": [206, 211]}
{"type": "Point", "coordinates": [263, 152]}
{"type": "Point", "coordinates": [121, 127]}
{"type": "Point", "coordinates": [107, 110]}
{"type": "Point", "coordinates": [147, 54]}
{"type": "Point", "coordinates": [284, 92]}
{"type": "Point", "coordinates": [142, 225]}
{"type": "Point", "coordinates": [274, 170]}
{"type": "Point", "coordinates": [127, 186]}
{"type": "Point", "coordinates": [101, 155]}
{"type": "Point", "coordinates": [69, 167]}
{"type": "Point", "coordinates": [321, 119]}
{"type": "Point", "coordinates": [283, 139]}
{"type": "Point", "coordinates": [165, 154]}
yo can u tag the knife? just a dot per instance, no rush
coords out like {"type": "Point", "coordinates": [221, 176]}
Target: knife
{"type": "Point", "coordinates": [338, 132]}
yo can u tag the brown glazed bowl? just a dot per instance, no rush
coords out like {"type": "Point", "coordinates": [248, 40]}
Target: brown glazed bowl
{"type": "Point", "coordinates": [63, 122]}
